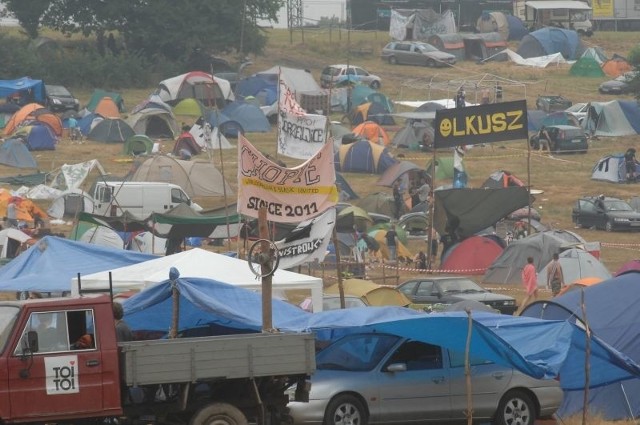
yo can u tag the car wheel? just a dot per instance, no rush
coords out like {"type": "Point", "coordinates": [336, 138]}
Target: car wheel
{"type": "Point", "coordinates": [375, 85]}
{"type": "Point", "coordinates": [393, 60]}
{"type": "Point", "coordinates": [515, 408]}
{"type": "Point", "coordinates": [431, 63]}
{"type": "Point", "coordinates": [608, 226]}
{"type": "Point", "coordinates": [346, 410]}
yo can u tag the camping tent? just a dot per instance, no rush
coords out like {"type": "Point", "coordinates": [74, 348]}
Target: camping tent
{"type": "Point", "coordinates": [363, 156]}
{"type": "Point", "coordinates": [502, 178]}
{"type": "Point", "coordinates": [372, 112]}
{"type": "Point", "coordinates": [107, 108]}
{"type": "Point", "coordinates": [190, 107]}
{"type": "Point", "coordinates": [450, 43]}
{"type": "Point", "coordinates": [249, 116]}
{"type": "Point", "coordinates": [398, 170]}
{"type": "Point", "coordinates": [103, 236]}
{"type": "Point", "coordinates": [372, 131]}
{"type": "Point", "coordinates": [586, 67]}
{"type": "Point", "coordinates": [208, 89]}
{"type": "Point", "coordinates": [576, 264]}
{"type": "Point", "coordinates": [38, 137]}
{"type": "Point", "coordinates": [186, 141]}
{"type": "Point", "coordinates": [484, 45]}
{"type": "Point", "coordinates": [372, 293]}
{"type": "Point", "coordinates": [10, 241]}
{"type": "Point", "coordinates": [507, 267]}
{"type": "Point", "coordinates": [616, 66]}
{"type": "Point", "coordinates": [34, 112]}
{"type": "Point", "coordinates": [154, 122]}
{"type": "Point", "coordinates": [472, 256]}
{"type": "Point", "coordinates": [611, 168]}
{"type": "Point", "coordinates": [138, 144]}
{"type": "Point", "coordinates": [611, 309]}
{"type": "Point", "coordinates": [99, 94]}
{"type": "Point", "coordinates": [632, 265]}
{"type": "Point", "coordinates": [52, 264]}
{"type": "Point", "coordinates": [111, 130]}
{"type": "Point", "coordinates": [14, 153]}
{"type": "Point", "coordinates": [414, 134]}
{"type": "Point", "coordinates": [195, 177]}
{"type": "Point", "coordinates": [550, 40]}
{"type": "Point", "coordinates": [614, 118]}
{"type": "Point", "coordinates": [70, 204]}
{"type": "Point", "coordinates": [379, 202]}
{"type": "Point", "coordinates": [202, 264]}
{"type": "Point", "coordinates": [508, 26]}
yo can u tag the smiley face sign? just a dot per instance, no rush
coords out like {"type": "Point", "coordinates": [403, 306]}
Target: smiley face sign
{"type": "Point", "coordinates": [472, 125]}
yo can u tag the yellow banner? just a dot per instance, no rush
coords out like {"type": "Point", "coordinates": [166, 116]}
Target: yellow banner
{"type": "Point", "coordinates": [602, 8]}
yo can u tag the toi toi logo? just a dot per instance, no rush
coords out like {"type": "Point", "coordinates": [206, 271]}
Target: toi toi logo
{"type": "Point", "coordinates": [64, 378]}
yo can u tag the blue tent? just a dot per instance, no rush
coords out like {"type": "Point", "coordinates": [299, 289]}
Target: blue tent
{"type": "Point", "coordinates": [260, 86]}
{"type": "Point", "coordinates": [540, 348]}
{"type": "Point", "coordinates": [9, 87]}
{"type": "Point", "coordinates": [550, 40]}
{"type": "Point", "coordinates": [39, 137]}
{"type": "Point", "coordinates": [612, 309]}
{"type": "Point", "coordinates": [52, 263]}
{"type": "Point", "coordinates": [249, 116]}
{"type": "Point", "coordinates": [14, 153]}
{"type": "Point", "coordinates": [517, 30]}
{"type": "Point", "coordinates": [85, 123]}
{"type": "Point", "coordinates": [363, 156]}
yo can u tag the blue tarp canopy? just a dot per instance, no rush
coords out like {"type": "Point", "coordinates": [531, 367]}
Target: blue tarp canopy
{"type": "Point", "coordinates": [9, 87]}
{"type": "Point", "coordinates": [612, 309]}
{"type": "Point", "coordinates": [539, 348]}
{"type": "Point", "coordinates": [52, 263]}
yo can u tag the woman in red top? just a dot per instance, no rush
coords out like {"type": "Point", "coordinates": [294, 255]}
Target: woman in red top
{"type": "Point", "coordinates": [530, 282]}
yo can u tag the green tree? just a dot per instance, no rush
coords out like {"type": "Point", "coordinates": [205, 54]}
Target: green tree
{"type": "Point", "coordinates": [28, 13]}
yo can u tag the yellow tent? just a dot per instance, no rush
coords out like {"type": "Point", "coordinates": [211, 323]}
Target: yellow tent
{"type": "Point", "coordinates": [372, 293]}
{"type": "Point", "coordinates": [401, 249]}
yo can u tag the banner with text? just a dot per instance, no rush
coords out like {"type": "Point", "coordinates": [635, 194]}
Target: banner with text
{"type": "Point", "coordinates": [472, 125]}
{"type": "Point", "coordinates": [308, 241]}
{"type": "Point", "coordinates": [290, 195]}
{"type": "Point", "coordinates": [300, 136]}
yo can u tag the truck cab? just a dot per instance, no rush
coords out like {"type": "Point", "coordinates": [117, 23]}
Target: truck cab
{"type": "Point", "coordinates": [60, 363]}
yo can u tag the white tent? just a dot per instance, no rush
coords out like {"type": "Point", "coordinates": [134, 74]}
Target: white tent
{"type": "Point", "coordinates": [576, 264]}
{"type": "Point", "coordinates": [204, 264]}
{"type": "Point", "coordinates": [11, 233]}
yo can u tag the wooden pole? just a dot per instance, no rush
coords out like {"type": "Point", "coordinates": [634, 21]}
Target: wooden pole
{"type": "Point", "coordinates": [338, 267]}
{"type": "Point", "coordinates": [175, 318]}
{"type": "Point", "coordinates": [467, 370]}
{"type": "Point", "coordinates": [529, 186]}
{"type": "Point", "coordinates": [587, 364]}
{"type": "Point", "coordinates": [265, 264]}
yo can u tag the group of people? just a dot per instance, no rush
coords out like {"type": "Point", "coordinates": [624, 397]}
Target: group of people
{"type": "Point", "coordinates": [419, 192]}
{"type": "Point", "coordinates": [554, 279]}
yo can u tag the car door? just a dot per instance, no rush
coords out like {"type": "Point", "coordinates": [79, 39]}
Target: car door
{"type": "Point", "coordinates": [60, 378]}
{"type": "Point", "coordinates": [425, 292]}
{"type": "Point", "coordinates": [418, 392]}
{"type": "Point", "coordinates": [489, 382]}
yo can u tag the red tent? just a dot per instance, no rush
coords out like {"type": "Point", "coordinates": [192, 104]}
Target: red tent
{"type": "Point", "coordinates": [186, 141]}
{"type": "Point", "coordinates": [472, 256]}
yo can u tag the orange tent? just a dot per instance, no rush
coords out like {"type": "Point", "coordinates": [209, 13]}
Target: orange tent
{"type": "Point", "coordinates": [373, 132]}
{"type": "Point", "coordinates": [26, 209]}
{"type": "Point", "coordinates": [46, 116]}
{"type": "Point", "coordinates": [20, 115]}
{"type": "Point", "coordinates": [107, 108]}
{"type": "Point", "coordinates": [616, 66]}
{"type": "Point", "coordinates": [580, 283]}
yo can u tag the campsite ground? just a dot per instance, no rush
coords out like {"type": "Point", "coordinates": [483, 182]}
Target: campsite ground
{"type": "Point", "coordinates": [562, 178]}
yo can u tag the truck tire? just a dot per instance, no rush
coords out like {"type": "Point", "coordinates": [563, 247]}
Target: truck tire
{"type": "Point", "coordinates": [346, 410]}
{"type": "Point", "coordinates": [515, 408]}
{"type": "Point", "coordinates": [218, 414]}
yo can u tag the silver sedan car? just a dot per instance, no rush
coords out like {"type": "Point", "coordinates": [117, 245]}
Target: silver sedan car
{"type": "Point", "coordinates": [378, 378]}
{"type": "Point", "coordinates": [416, 53]}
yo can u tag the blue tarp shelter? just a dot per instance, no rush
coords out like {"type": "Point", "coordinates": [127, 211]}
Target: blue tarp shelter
{"type": "Point", "coordinates": [612, 310]}
{"type": "Point", "coordinates": [540, 348]}
{"type": "Point", "coordinates": [550, 40]}
{"type": "Point", "coordinates": [52, 263]}
{"type": "Point", "coordinates": [14, 153]}
{"type": "Point", "coordinates": [36, 88]}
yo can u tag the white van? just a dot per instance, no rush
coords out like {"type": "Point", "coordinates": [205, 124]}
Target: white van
{"type": "Point", "coordinates": [139, 198]}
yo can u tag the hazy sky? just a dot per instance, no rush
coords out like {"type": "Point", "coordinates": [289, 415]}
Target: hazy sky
{"type": "Point", "coordinates": [314, 10]}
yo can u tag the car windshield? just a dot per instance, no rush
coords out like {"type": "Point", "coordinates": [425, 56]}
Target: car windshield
{"type": "Point", "coordinates": [617, 206]}
{"type": "Point", "coordinates": [8, 316]}
{"type": "Point", "coordinates": [58, 91]}
{"type": "Point", "coordinates": [453, 286]}
{"type": "Point", "coordinates": [427, 48]}
{"type": "Point", "coordinates": [333, 303]}
{"type": "Point", "coordinates": [357, 353]}
{"type": "Point", "coordinates": [331, 71]}
{"type": "Point", "coordinates": [577, 107]}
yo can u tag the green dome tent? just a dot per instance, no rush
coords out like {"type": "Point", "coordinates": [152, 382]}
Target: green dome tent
{"type": "Point", "coordinates": [586, 67]}
{"type": "Point", "coordinates": [138, 144]}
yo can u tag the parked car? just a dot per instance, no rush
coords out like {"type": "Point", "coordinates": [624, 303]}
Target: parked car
{"type": "Point", "coordinates": [60, 99]}
{"type": "Point", "coordinates": [551, 103]}
{"type": "Point", "coordinates": [432, 290]}
{"type": "Point", "coordinates": [619, 85]}
{"type": "Point", "coordinates": [416, 53]}
{"type": "Point", "coordinates": [579, 110]}
{"type": "Point", "coordinates": [603, 212]}
{"type": "Point", "coordinates": [562, 138]}
{"type": "Point", "coordinates": [332, 302]}
{"type": "Point", "coordinates": [334, 74]}
{"type": "Point", "coordinates": [375, 378]}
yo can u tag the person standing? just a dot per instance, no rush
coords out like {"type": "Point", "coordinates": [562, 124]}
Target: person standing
{"type": "Point", "coordinates": [391, 239]}
{"type": "Point", "coordinates": [397, 199]}
{"type": "Point", "coordinates": [630, 164]}
{"type": "Point", "coordinates": [530, 283]}
{"type": "Point", "coordinates": [12, 215]}
{"type": "Point", "coordinates": [555, 276]}
{"type": "Point", "coordinates": [123, 332]}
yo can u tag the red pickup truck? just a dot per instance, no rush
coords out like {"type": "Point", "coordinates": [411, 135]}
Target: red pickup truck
{"type": "Point", "coordinates": [62, 363]}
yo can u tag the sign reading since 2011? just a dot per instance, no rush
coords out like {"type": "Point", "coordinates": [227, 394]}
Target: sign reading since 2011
{"type": "Point", "coordinates": [61, 375]}
{"type": "Point", "coordinates": [496, 122]}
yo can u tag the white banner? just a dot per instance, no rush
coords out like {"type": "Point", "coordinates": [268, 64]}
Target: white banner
{"type": "Point", "coordinates": [300, 136]}
{"type": "Point", "coordinates": [62, 375]}
{"type": "Point", "coordinates": [290, 195]}
{"type": "Point", "coordinates": [307, 242]}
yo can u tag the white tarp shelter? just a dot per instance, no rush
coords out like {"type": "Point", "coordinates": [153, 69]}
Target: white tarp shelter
{"type": "Point", "coordinates": [204, 264]}
{"type": "Point", "coordinates": [557, 4]}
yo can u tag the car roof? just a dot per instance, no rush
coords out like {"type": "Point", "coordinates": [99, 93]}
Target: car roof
{"type": "Point", "coordinates": [564, 127]}
{"type": "Point", "coordinates": [438, 278]}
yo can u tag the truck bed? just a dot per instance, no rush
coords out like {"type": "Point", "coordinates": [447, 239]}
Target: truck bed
{"type": "Point", "coordinates": [218, 357]}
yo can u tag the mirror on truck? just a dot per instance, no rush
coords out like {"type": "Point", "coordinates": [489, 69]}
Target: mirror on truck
{"type": "Point", "coordinates": [32, 341]}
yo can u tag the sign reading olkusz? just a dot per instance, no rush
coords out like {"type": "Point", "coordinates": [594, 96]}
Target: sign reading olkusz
{"type": "Point", "coordinates": [473, 125]}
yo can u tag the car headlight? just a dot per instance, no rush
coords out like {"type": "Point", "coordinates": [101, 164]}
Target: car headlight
{"type": "Point", "coordinates": [510, 302]}
{"type": "Point", "coordinates": [56, 101]}
{"type": "Point", "coordinates": [621, 220]}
